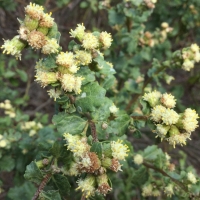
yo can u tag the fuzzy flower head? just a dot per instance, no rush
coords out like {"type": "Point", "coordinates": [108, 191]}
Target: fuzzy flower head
{"type": "Point", "coordinates": [191, 177]}
{"type": "Point", "coordinates": [36, 39]}
{"type": "Point", "coordinates": [178, 139]}
{"type": "Point", "coordinates": [138, 159]}
{"type": "Point", "coordinates": [46, 20]}
{"type": "Point", "coordinates": [51, 46]}
{"type": "Point", "coordinates": [170, 117]}
{"type": "Point", "coordinates": [194, 48]}
{"type": "Point", "coordinates": [189, 121]}
{"type": "Point", "coordinates": [119, 150]}
{"type": "Point", "coordinates": [89, 163]}
{"type": "Point", "coordinates": [90, 41]}
{"type": "Point", "coordinates": [71, 83]}
{"type": "Point", "coordinates": [103, 186]}
{"type": "Point", "coordinates": [162, 130]}
{"type": "Point", "coordinates": [45, 78]}
{"type": "Point", "coordinates": [168, 100]}
{"type": "Point", "coordinates": [113, 109]}
{"type": "Point", "coordinates": [188, 65]}
{"type": "Point", "coordinates": [147, 190]}
{"type": "Point", "coordinates": [87, 186]}
{"type": "Point", "coordinates": [13, 47]}
{"type": "Point", "coordinates": [169, 190]}
{"type": "Point", "coordinates": [23, 32]}
{"type": "Point", "coordinates": [65, 59]}
{"type": "Point", "coordinates": [34, 11]}
{"type": "Point", "coordinates": [83, 57]}
{"type": "Point", "coordinates": [78, 32]}
{"type": "Point", "coordinates": [157, 113]}
{"type": "Point", "coordinates": [73, 69]}
{"type": "Point", "coordinates": [53, 93]}
{"type": "Point", "coordinates": [105, 39]}
{"type": "Point", "coordinates": [76, 144]}
{"type": "Point", "coordinates": [152, 98]}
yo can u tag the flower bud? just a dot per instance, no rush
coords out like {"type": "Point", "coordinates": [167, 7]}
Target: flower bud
{"type": "Point", "coordinates": [79, 32]}
{"type": "Point", "coordinates": [43, 30]}
{"type": "Point", "coordinates": [104, 126]}
{"type": "Point", "coordinates": [112, 164]}
{"type": "Point", "coordinates": [30, 24]}
{"type": "Point", "coordinates": [138, 159]}
{"type": "Point", "coordinates": [173, 130]}
{"type": "Point", "coordinates": [191, 177]}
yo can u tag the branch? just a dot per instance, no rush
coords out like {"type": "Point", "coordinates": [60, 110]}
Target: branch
{"type": "Point", "coordinates": [41, 186]}
{"type": "Point", "coordinates": [181, 185]}
{"type": "Point", "coordinates": [142, 118]}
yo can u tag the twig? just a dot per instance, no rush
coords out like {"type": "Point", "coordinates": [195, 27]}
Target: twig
{"type": "Point", "coordinates": [142, 118]}
{"type": "Point", "coordinates": [41, 186]}
{"type": "Point", "coordinates": [93, 130]}
{"type": "Point", "coordinates": [181, 185]}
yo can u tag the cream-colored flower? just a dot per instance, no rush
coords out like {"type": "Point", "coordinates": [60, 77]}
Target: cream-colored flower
{"type": "Point", "coordinates": [79, 32]}
{"type": "Point", "coordinates": [51, 46]}
{"type": "Point", "coordinates": [157, 113]}
{"type": "Point", "coordinates": [68, 82]}
{"type": "Point", "coordinates": [168, 100]}
{"type": "Point", "coordinates": [191, 177]}
{"type": "Point", "coordinates": [65, 59]}
{"type": "Point", "coordinates": [46, 20]}
{"type": "Point", "coordinates": [178, 139]}
{"type": "Point", "coordinates": [87, 186]}
{"type": "Point", "coordinates": [83, 57]}
{"type": "Point", "coordinates": [162, 130]}
{"type": "Point", "coordinates": [170, 117]}
{"type": "Point", "coordinates": [147, 190]}
{"type": "Point", "coordinates": [188, 65]}
{"type": "Point", "coordinates": [105, 39]}
{"type": "Point", "coordinates": [36, 39]}
{"type": "Point", "coordinates": [189, 121]}
{"type": "Point", "coordinates": [169, 190]}
{"type": "Point", "coordinates": [76, 144]}
{"type": "Point", "coordinates": [23, 32]}
{"type": "Point", "coordinates": [194, 48]}
{"type": "Point", "coordinates": [119, 150]}
{"type": "Point", "coordinates": [35, 11]}
{"type": "Point", "coordinates": [90, 41]}
{"type": "Point", "coordinates": [152, 98]}
{"type": "Point", "coordinates": [138, 159]}
{"type": "Point", "coordinates": [113, 109]}
{"type": "Point", "coordinates": [55, 94]}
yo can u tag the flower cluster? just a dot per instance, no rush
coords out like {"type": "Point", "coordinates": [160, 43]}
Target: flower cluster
{"type": "Point", "coordinates": [91, 41]}
{"type": "Point", "coordinates": [86, 161]}
{"type": "Point", "coordinates": [171, 126]}
{"type": "Point", "coordinates": [157, 37]}
{"type": "Point", "coordinates": [31, 126]}
{"type": "Point", "coordinates": [190, 56]}
{"type": "Point", "coordinates": [34, 31]}
{"type": "Point", "coordinates": [8, 108]}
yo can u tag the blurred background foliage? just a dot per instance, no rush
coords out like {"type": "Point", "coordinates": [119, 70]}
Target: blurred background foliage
{"type": "Point", "coordinates": [132, 55]}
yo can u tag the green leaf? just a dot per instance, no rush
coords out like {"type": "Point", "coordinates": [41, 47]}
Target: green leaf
{"type": "Point", "coordinates": [108, 82]}
{"type": "Point", "coordinates": [49, 62]}
{"type": "Point", "coordinates": [50, 195]}
{"type": "Point", "coordinates": [22, 74]}
{"type": "Point", "coordinates": [120, 124]}
{"type": "Point", "coordinates": [69, 123]}
{"type": "Point", "coordinates": [57, 149]}
{"type": "Point", "coordinates": [151, 152]}
{"type": "Point", "coordinates": [7, 163]}
{"type": "Point", "coordinates": [103, 112]}
{"type": "Point", "coordinates": [87, 74]}
{"type": "Point", "coordinates": [104, 66]}
{"type": "Point", "coordinates": [92, 97]}
{"type": "Point", "coordinates": [140, 176]}
{"type": "Point", "coordinates": [33, 173]}
{"type": "Point", "coordinates": [115, 18]}
{"type": "Point", "coordinates": [97, 148]}
{"type": "Point", "coordinates": [62, 183]}
{"type": "Point", "coordinates": [25, 191]}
